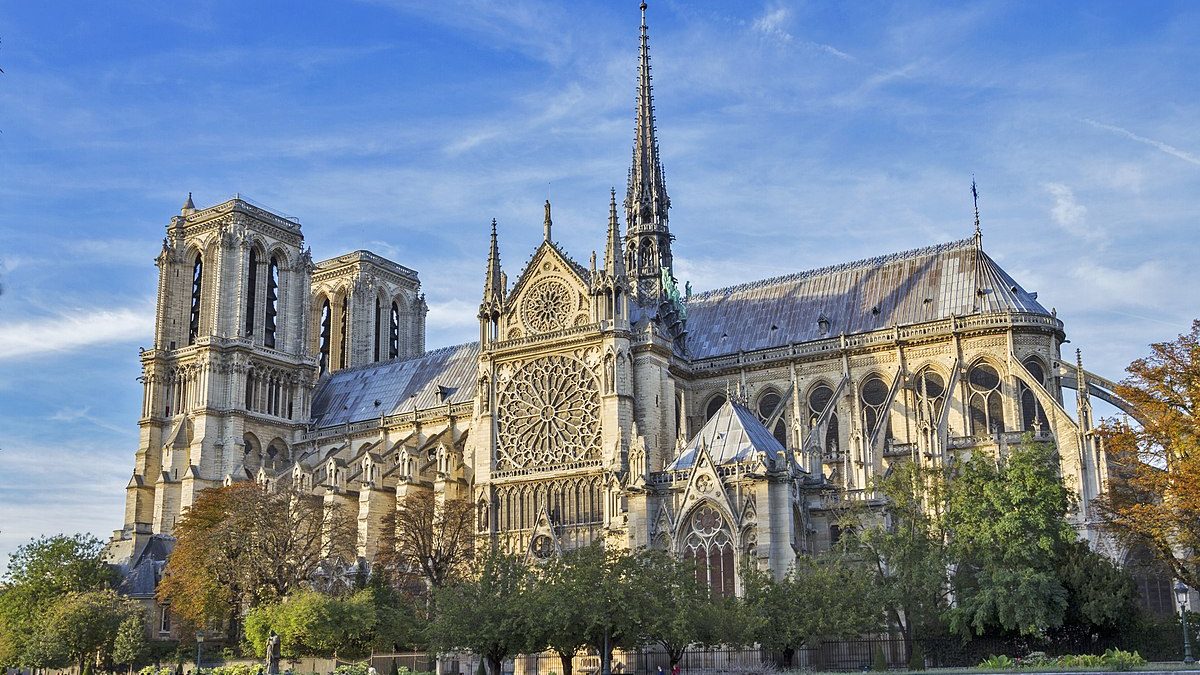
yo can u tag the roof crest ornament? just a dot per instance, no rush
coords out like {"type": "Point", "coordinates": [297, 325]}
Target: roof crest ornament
{"type": "Point", "coordinates": [978, 230]}
{"type": "Point", "coordinates": [547, 223]}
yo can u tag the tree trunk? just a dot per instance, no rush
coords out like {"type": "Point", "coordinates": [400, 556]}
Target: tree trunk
{"type": "Point", "coordinates": [494, 665]}
{"type": "Point", "coordinates": [567, 661]}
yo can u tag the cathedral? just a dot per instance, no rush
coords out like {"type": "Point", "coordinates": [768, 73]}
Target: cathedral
{"type": "Point", "coordinates": [601, 401]}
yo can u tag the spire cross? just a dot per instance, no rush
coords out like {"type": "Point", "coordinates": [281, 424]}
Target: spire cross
{"type": "Point", "coordinates": [975, 196]}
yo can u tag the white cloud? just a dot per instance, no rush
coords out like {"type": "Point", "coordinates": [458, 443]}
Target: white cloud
{"type": "Point", "coordinates": [1169, 149]}
{"type": "Point", "coordinates": [69, 331]}
{"type": "Point", "coordinates": [772, 21]}
{"type": "Point", "coordinates": [1069, 214]}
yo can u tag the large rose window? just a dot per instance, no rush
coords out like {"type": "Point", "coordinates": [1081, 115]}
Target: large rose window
{"type": "Point", "coordinates": [549, 415]}
{"type": "Point", "coordinates": [547, 306]}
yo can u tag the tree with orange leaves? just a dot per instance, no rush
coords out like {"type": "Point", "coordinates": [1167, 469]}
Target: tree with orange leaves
{"type": "Point", "coordinates": [1154, 495]}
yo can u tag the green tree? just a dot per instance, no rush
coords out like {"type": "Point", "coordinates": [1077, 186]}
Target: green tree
{"type": "Point", "coordinates": [486, 612]}
{"type": "Point", "coordinates": [312, 624]}
{"type": "Point", "coordinates": [825, 597]}
{"type": "Point", "coordinates": [906, 550]}
{"type": "Point", "coordinates": [1006, 519]}
{"type": "Point", "coordinates": [1101, 600]}
{"type": "Point", "coordinates": [39, 574]}
{"type": "Point", "coordinates": [80, 628]}
{"type": "Point", "coordinates": [555, 611]}
{"type": "Point", "coordinates": [130, 646]}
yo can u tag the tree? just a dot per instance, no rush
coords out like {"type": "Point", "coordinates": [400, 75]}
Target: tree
{"type": "Point", "coordinates": [130, 646]}
{"type": "Point", "coordinates": [906, 549]}
{"type": "Point", "coordinates": [429, 537]}
{"type": "Point", "coordinates": [1006, 518]}
{"type": "Point", "coordinates": [825, 597]}
{"type": "Point", "coordinates": [556, 614]}
{"type": "Point", "coordinates": [1100, 597]}
{"type": "Point", "coordinates": [80, 628]}
{"type": "Point", "coordinates": [39, 574]}
{"type": "Point", "coordinates": [241, 545]}
{"type": "Point", "coordinates": [485, 613]}
{"type": "Point", "coordinates": [312, 624]}
{"type": "Point", "coordinates": [1154, 495]}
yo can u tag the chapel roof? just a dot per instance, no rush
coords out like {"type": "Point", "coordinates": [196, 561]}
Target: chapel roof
{"type": "Point", "coordinates": [733, 434]}
{"type": "Point", "coordinates": [927, 284]}
{"type": "Point", "coordinates": [437, 377]}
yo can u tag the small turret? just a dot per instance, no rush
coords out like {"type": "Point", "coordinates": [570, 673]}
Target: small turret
{"type": "Point", "coordinates": [547, 223]}
{"type": "Point", "coordinates": [614, 261]}
{"type": "Point", "coordinates": [493, 293]}
{"type": "Point", "coordinates": [189, 207]}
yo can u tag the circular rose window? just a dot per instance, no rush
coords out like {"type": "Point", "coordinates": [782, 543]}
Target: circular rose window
{"type": "Point", "coordinates": [547, 306]}
{"type": "Point", "coordinates": [548, 414]}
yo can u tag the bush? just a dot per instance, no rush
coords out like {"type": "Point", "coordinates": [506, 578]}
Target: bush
{"type": "Point", "coordinates": [916, 657]}
{"type": "Point", "coordinates": [351, 669]}
{"type": "Point", "coordinates": [1118, 659]}
{"type": "Point", "coordinates": [1000, 662]}
{"type": "Point", "coordinates": [879, 661]}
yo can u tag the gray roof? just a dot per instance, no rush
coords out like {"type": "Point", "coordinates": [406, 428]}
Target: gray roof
{"type": "Point", "coordinates": [910, 287]}
{"type": "Point", "coordinates": [438, 377]}
{"type": "Point", "coordinates": [734, 434]}
{"type": "Point", "coordinates": [140, 579]}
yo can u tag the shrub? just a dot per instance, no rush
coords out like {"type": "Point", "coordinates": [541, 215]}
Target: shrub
{"type": "Point", "coordinates": [1118, 659]}
{"type": "Point", "coordinates": [351, 669]}
{"type": "Point", "coordinates": [1000, 662]}
{"type": "Point", "coordinates": [879, 661]}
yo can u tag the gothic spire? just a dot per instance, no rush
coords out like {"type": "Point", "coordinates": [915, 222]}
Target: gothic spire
{"type": "Point", "coordinates": [646, 201]}
{"type": "Point", "coordinates": [614, 261]}
{"type": "Point", "coordinates": [493, 284]}
{"type": "Point", "coordinates": [547, 223]}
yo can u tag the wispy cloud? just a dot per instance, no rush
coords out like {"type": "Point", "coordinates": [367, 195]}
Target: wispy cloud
{"type": "Point", "coordinates": [1159, 145]}
{"type": "Point", "coordinates": [71, 331]}
{"type": "Point", "coordinates": [1069, 214]}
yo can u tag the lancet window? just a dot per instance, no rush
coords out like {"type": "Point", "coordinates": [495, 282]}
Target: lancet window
{"type": "Point", "coordinates": [326, 327]}
{"type": "Point", "coordinates": [569, 502]}
{"type": "Point", "coordinates": [819, 399]}
{"type": "Point", "coordinates": [197, 283]}
{"type": "Point", "coordinates": [378, 328]}
{"type": "Point", "coordinates": [874, 395]}
{"type": "Point", "coordinates": [714, 404]}
{"type": "Point", "coordinates": [251, 291]}
{"type": "Point", "coordinates": [394, 332]}
{"type": "Point", "coordinates": [931, 396]}
{"type": "Point", "coordinates": [708, 544]}
{"type": "Point", "coordinates": [343, 326]}
{"type": "Point", "coordinates": [768, 405]}
{"type": "Point", "coordinates": [986, 405]}
{"type": "Point", "coordinates": [1033, 417]}
{"type": "Point", "coordinates": [272, 302]}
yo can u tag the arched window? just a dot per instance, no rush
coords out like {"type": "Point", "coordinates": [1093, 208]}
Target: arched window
{"type": "Point", "coordinates": [326, 327]}
{"type": "Point", "coordinates": [394, 333]}
{"type": "Point", "coordinates": [874, 397]}
{"type": "Point", "coordinates": [197, 281]}
{"type": "Point", "coordinates": [714, 404]}
{"type": "Point", "coordinates": [708, 544]}
{"type": "Point", "coordinates": [272, 302]}
{"type": "Point", "coordinates": [378, 328]}
{"type": "Point", "coordinates": [251, 291]}
{"type": "Point", "coordinates": [819, 399]}
{"type": "Point", "coordinates": [768, 404]}
{"type": "Point", "coordinates": [250, 382]}
{"type": "Point", "coordinates": [987, 409]}
{"type": "Point", "coordinates": [1032, 415]}
{"type": "Point", "coordinates": [343, 326]}
{"type": "Point", "coordinates": [931, 396]}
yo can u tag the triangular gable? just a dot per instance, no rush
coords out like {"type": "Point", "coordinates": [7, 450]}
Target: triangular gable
{"type": "Point", "coordinates": [704, 485]}
{"type": "Point", "coordinates": [551, 295]}
{"type": "Point", "coordinates": [543, 541]}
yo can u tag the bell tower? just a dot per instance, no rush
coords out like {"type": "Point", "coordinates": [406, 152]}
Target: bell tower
{"type": "Point", "coordinates": [228, 381]}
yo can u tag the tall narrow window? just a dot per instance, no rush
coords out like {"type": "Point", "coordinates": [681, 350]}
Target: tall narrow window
{"type": "Point", "coordinates": [708, 544]}
{"type": "Point", "coordinates": [874, 399]}
{"type": "Point", "coordinates": [326, 326]}
{"type": "Point", "coordinates": [714, 404]}
{"type": "Point", "coordinates": [250, 390]}
{"type": "Point", "coordinates": [1032, 415]}
{"type": "Point", "coordinates": [251, 291]}
{"type": "Point", "coordinates": [394, 333]}
{"type": "Point", "coordinates": [931, 396]}
{"type": "Point", "coordinates": [768, 404]}
{"type": "Point", "coordinates": [820, 399]}
{"type": "Point", "coordinates": [194, 319]}
{"type": "Point", "coordinates": [272, 302]}
{"type": "Point", "coordinates": [378, 332]}
{"type": "Point", "coordinates": [343, 321]}
{"type": "Point", "coordinates": [987, 409]}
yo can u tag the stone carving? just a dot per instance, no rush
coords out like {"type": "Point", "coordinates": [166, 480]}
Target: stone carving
{"type": "Point", "coordinates": [549, 414]}
{"type": "Point", "coordinates": [546, 307]}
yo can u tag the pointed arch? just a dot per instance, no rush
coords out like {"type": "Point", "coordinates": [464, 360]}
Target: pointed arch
{"type": "Point", "coordinates": [873, 395]}
{"type": "Point", "coordinates": [766, 404]}
{"type": "Point", "coordinates": [706, 540]}
{"type": "Point", "coordinates": [985, 403]}
{"type": "Point", "coordinates": [1033, 416]}
{"type": "Point", "coordinates": [197, 297]}
{"type": "Point", "coordinates": [820, 399]}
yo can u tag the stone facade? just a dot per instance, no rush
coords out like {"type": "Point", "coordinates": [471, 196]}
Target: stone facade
{"type": "Point", "coordinates": [600, 402]}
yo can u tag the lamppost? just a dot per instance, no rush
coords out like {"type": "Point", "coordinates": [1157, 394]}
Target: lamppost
{"type": "Point", "coordinates": [199, 644]}
{"type": "Point", "coordinates": [1181, 593]}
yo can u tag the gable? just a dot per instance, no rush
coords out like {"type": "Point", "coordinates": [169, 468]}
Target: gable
{"type": "Point", "coordinates": [551, 295]}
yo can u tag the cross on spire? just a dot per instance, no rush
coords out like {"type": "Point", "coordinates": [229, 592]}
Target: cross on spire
{"type": "Point", "coordinates": [975, 196]}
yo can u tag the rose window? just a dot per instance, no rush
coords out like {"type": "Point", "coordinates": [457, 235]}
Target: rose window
{"type": "Point", "coordinates": [549, 415]}
{"type": "Point", "coordinates": [546, 307]}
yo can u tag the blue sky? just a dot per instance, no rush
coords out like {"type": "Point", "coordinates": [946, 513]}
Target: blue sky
{"type": "Point", "coordinates": [794, 135]}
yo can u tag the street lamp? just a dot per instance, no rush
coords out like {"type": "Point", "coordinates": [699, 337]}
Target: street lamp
{"type": "Point", "coordinates": [200, 643]}
{"type": "Point", "coordinates": [1181, 594]}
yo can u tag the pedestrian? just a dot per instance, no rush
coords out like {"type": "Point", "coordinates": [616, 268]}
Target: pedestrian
{"type": "Point", "coordinates": [661, 671]}
{"type": "Point", "coordinates": [675, 669]}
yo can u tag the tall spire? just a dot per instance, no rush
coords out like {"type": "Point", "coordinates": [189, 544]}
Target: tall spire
{"type": "Point", "coordinates": [614, 261]}
{"type": "Point", "coordinates": [978, 230]}
{"type": "Point", "coordinates": [648, 239]}
{"type": "Point", "coordinates": [493, 284]}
